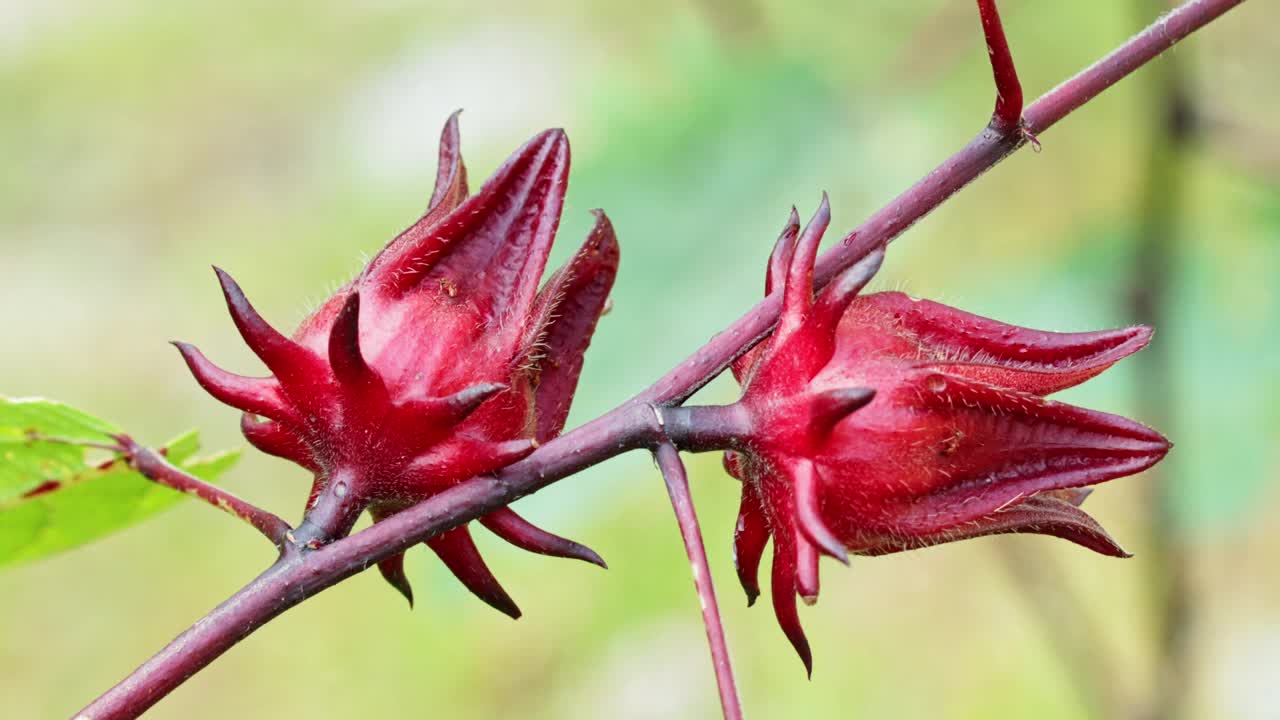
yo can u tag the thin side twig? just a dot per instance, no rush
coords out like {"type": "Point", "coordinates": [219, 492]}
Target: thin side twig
{"type": "Point", "coordinates": [673, 472]}
{"type": "Point", "coordinates": [1008, 113]}
{"type": "Point", "coordinates": [153, 466]}
{"type": "Point", "coordinates": [626, 427]}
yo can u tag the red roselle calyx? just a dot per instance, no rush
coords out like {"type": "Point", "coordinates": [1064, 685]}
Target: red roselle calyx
{"type": "Point", "coordinates": [441, 361]}
{"type": "Point", "coordinates": [882, 423]}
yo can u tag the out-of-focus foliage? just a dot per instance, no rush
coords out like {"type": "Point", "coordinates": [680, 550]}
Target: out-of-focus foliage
{"type": "Point", "coordinates": [142, 141]}
{"type": "Point", "coordinates": [52, 498]}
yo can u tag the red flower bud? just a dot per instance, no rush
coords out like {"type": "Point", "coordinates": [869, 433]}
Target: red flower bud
{"type": "Point", "coordinates": [882, 423]}
{"type": "Point", "coordinates": [441, 361]}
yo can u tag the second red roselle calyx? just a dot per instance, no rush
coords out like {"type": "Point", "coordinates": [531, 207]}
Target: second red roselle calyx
{"type": "Point", "coordinates": [882, 423]}
{"type": "Point", "coordinates": [441, 361]}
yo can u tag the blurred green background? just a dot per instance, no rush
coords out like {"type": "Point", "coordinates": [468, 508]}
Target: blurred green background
{"type": "Point", "coordinates": [142, 141]}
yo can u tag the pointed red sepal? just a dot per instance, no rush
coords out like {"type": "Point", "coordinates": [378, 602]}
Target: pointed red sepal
{"type": "Point", "coordinates": [563, 321]}
{"type": "Point", "coordinates": [275, 439]}
{"type": "Point", "coordinates": [1041, 515]}
{"type": "Point", "coordinates": [783, 590]}
{"type": "Point", "coordinates": [392, 570]}
{"type": "Point", "coordinates": [836, 297]}
{"type": "Point", "coordinates": [450, 410]}
{"type": "Point", "coordinates": [459, 553]}
{"type": "Point", "coordinates": [806, 570]}
{"type": "Point", "coordinates": [808, 507]}
{"type": "Point", "coordinates": [776, 277]}
{"type": "Point", "coordinates": [288, 361]}
{"type": "Point", "coordinates": [493, 247]}
{"type": "Point", "coordinates": [450, 191]}
{"type": "Point", "coordinates": [461, 457]}
{"type": "Point", "coordinates": [451, 173]}
{"type": "Point", "coordinates": [509, 526]}
{"type": "Point", "coordinates": [801, 352]}
{"type": "Point", "coordinates": [783, 249]}
{"type": "Point", "coordinates": [1047, 515]}
{"type": "Point", "coordinates": [506, 452]}
{"type": "Point", "coordinates": [348, 362]}
{"type": "Point", "coordinates": [799, 288]}
{"type": "Point", "coordinates": [1009, 356]}
{"type": "Point", "coordinates": [260, 396]}
{"type": "Point", "coordinates": [750, 536]}
{"type": "Point", "coordinates": [1016, 445]}
{"type": "Point", "coordinates": [831, 406]}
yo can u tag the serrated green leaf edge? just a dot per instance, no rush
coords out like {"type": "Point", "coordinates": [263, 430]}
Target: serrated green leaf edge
{"type": "Point", "coordinates": [52, 418]}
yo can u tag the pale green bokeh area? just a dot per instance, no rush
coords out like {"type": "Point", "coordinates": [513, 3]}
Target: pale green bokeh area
{"type": "Point", "coordinates": [142, 141]}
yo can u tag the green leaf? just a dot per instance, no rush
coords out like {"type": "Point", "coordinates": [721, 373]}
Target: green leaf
{"type": "Point", "coordinates": [56, 495]}
{"type": "Point", "coordinates": [24, 464]}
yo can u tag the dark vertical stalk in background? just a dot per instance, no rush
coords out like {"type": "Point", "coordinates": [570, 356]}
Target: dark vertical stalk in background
{"type": "Point", "coordinates": [1157, 250]}
{"type": "Point", "coordinates": [738, 23]}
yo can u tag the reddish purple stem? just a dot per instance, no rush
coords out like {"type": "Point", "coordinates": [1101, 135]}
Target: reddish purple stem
{"type": "Point", "coordinates": [677, 480]}
{"type": "Point", "coordinates": [1008, 112]}
{"type": "Point", "coordinates": [633, 424]}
